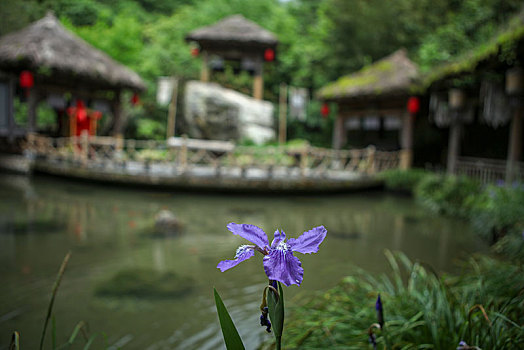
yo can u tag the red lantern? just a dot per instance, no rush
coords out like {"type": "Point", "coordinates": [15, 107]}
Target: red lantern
{"type": "Point", "coordinates": [324, 110]}
{"type": "Point", "coordinates": [81, 111]}
{"type": "Point", "coordinates": [269, 55]}
{"type": "Point", "coordinates": [413, 105]}
{"type": "Point", "coordinates": [26, 79]}
{"type": "Point", "coordinates": [135, 99]}
{"type": "Point", "coordinates": [195, 51]}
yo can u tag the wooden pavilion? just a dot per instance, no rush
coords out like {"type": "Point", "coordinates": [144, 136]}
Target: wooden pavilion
{"type": "Point", "coordinates": [481, 93]}
{"type": "Point", "coordinates": [236, 38]}
{"type": "Point", "coordinates": [381, 91]}
{"type": "Point", "coordinates": [45, 61]}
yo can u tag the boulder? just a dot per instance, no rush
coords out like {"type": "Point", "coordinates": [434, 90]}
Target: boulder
{"type": "Point", "coordinates": [216, 113]}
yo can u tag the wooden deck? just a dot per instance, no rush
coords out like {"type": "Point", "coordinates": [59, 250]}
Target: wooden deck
{"type": "Point", "coordinates": [211, 165]}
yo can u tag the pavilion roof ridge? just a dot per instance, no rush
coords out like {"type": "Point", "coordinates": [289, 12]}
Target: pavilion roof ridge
{"type": "Point", "coordinates": [394, 74]}
{"type": "Point", "coordinates": [234, 28]}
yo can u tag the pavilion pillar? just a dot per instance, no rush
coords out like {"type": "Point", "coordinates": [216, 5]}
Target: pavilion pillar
{"type": "Point", "coordinates": [455, 130]}
{"type": "Point", "coordinates": [204, 70]}
{"type": "Point", "coordinates": [514, 89]}
{"type": "Point", "coordinates": [258, 80]}
{"type": "Point", "coordinates": [11, 124]}
{"type": "Point", "coordinates": [456, 101]}
{"type": "Point", "coordinates": [32, 104]}
{"type": "Point", "coordinates": [515, 146]}
{"type": "Point", "coordinates": [118, 121]}
{"type": "Point", "coordinates": [406, 141]}
{"type": "Point", "coordinates": [339, 133]}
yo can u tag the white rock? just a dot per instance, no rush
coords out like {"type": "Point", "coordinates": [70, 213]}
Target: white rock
{"type": "Point", "coordinates": [216, 113]}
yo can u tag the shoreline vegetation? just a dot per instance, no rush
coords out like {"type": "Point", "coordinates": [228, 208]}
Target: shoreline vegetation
{"type": "Point", "coordinates": [481, 307]}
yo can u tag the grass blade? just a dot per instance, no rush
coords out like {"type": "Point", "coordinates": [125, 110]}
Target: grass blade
{"type": "Point", "coordinates": [53, 295]}
{"type": "Point", "coordinates": [229, 331]}
{"type": "Point", "coordinates": [89, 342]}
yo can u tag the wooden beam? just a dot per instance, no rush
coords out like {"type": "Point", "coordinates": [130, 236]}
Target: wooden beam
{"type": "Point", "coordinates": [258, 79]}
{"type": "Point", "coordinates": [455, 130]}
{"type": "Point", "coordinates": [204, 70]}
{"type": "Point", "coordinates": [118, 117]}
{"type": "Point", "coordinates": [338, 133]}
{"type": "Point", "coordinates": [32, 104]}
{"type": "Point", "coordinates": [282, 114]}
{"type": "Point", "coordinates": [406, 140]}
{"type": "Point", "coordinates": [360, 113]}
{"type": "Point", "coordinates": [171, 114]}
{"type": "Point", "coordinates": [515, 146]}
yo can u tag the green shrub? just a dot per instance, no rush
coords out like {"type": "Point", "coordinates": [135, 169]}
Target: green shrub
{"type": "Point", "coordinates": [402, 180]}
{"type": "Point", "coordinates": [421, 310]}
{"type": "Point", "coordinates": [499, 211]}
{"type": "Point", "coordinates": [450, 195]}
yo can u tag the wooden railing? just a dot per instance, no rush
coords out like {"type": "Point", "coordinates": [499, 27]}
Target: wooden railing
{"type": "Point", "coordinates": [216, 158]}
{"type": "Point", "coordinates": [488, 170]}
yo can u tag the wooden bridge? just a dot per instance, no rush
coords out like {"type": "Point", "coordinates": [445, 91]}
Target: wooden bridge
{"type": "Point", "coordinates": [191, 163]}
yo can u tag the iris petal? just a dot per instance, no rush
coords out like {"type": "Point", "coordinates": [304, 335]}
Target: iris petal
{"type": "Point", "coordinates": [309, 241]}
{"type": "Point", "coordinates": [281, 265]}
{"type": "Point", "coordinates": [244, 252]}
{"type": "Point", "coordinates": [279, 236]}
{"type": "Point", "coordinates": [252, 233]}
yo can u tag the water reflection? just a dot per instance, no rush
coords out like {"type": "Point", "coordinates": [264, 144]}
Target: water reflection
{"type": "Point", "coordinates": [107, 229]}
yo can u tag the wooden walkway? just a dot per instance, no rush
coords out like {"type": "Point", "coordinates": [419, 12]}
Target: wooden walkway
{"type": "Point", "coordinates": [197, 164]}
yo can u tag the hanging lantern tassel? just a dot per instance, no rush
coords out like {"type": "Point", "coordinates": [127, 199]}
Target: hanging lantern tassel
{"type": "Point", "coordinates": [195, 51]}
{"type": "Point", "coordinates": [413, 105]}
{"type": "Point", "coordinates": [324, 110]}
{"type": "Point", "coordinates": [27, 81]}
{"type": "Point", "coordinates": [135, 100]}
{"type": "Point", "coordinates": [269, 55]}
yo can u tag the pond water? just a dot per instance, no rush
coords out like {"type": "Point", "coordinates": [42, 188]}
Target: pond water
{"type": "Point", "coordinates": [108, 230]}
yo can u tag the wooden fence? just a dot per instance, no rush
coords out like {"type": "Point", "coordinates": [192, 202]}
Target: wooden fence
{"type": "Point", "coordinates": [488, 170]}
{"type": "Point", "coordinates": [184, 155]}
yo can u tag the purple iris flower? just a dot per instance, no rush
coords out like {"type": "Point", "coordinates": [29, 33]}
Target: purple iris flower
{"type": "Point", "coordinates": [279, 262]}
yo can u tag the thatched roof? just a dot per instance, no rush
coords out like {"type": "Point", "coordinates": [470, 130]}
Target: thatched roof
{"type": "Point", "coordinates": [47, 45]}
{"type": "Point", "coordinates": [234, 29]}
{"type": "Point", "coordinates": [395, 74]}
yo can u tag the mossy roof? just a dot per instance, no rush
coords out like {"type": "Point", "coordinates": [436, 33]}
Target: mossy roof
{"type": "Point", "coordinates": [500, 45]}
{"type": "Point", "coordinates": [395, 75]}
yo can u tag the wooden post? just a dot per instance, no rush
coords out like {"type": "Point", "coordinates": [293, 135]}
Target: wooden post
{"type": "Point", "coordinates": [338, 133]}
{"type": "Point", "coordinates": [171, 114]}
{"type": "Point", "coordinates": [282, 114]}
{"type": "Point", "coordinates": [258, 80]}
{"type": "Point", "coordinates": [117, 115]}
{"type": "Point", "coordinates": [183, 154]}
{"type": "Point", "coordinates": [32, 103]}
{"type": "Point", "coordinates": [204, 70]}
{"type": "Point", "coordinates": [406, 141]}
{"type": "Point", "coordinates": [515, 146]}
{"type": "Point", "coordinates": [455, 130]}
{"type": "Point", "coordinates": [85, 147]}
{"type": "Point", "coordinates": [11, 124]}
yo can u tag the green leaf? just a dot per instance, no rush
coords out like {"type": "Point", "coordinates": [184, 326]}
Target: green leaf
{"type": "Point", "coordinates": [276, 312]}
{"type": "Point", "coordinates": [15, 341]}
{"type": "Point", "coordinates": [229, 331]}
{"type": "Point", "coordinates": [89, 342]}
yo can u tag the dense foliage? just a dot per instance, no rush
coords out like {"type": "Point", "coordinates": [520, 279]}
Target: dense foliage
{"type": "Point", "coordinates": [482, 306]}
{"type": "Point", "coordinates": [320, 40]}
